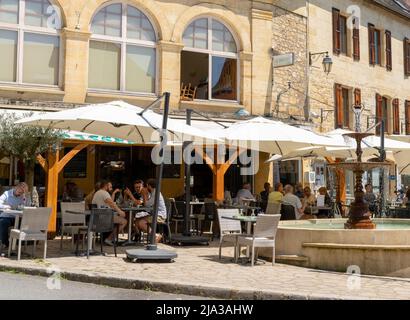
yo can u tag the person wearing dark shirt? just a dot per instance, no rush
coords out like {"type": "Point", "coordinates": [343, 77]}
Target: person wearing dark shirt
{"type": "Point", "coordinates": [136, 196]}
{"type": "Point", "coordinates": [265, 196]}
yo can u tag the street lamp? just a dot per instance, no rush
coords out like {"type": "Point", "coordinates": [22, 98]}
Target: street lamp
{"type": "Point", "coordinates": [327, 61]}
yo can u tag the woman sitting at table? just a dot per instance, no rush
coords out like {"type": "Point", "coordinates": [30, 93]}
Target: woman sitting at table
{"type": "Point", "coordinates": [309, 200]}
{"type": "Point", "coordinates": [406, 199]}
{"type": "Point", "coordinates": [327, 202]}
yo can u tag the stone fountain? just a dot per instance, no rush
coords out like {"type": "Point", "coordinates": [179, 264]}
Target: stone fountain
{"type": "Point", "coordinates": [369, 246]}
{"type": "Point", "coordinates": [359, 214]}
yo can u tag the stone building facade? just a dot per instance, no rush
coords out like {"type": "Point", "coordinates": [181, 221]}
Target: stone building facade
{"type": "Point", "coordinates": [384, 80]}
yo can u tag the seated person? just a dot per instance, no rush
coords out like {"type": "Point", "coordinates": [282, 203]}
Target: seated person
{"type": "Point", "coordinates": [89, 198]}
{"type": "Point", "coordinates": [144, 218]}
{"type": "Point", "coordinates": [137, 196]}
{"type": "Point", "coordinates": [406, 199]}
{"type": "Point", "coordinates": [102, 199]}
{"type": "Point", "coordinates": [299, 190]}
{"type": "Point", "coordinates": [293, 200]}
{"type": "Point", "coordinates": [72, 193]}
{"type": "Point", "coordinates": [244, 194]}
{"type": "Point", "coordinates": [277, 195]}
{"type": "Point", "coordinates": [309, 200]}
{"type": "Point", "coordinates": [324, 213]}
{"type": "Point", "coordinates": [370, 197]}
{"type": "Point", "coordinates": [265, 196]}
{"type": "Point", "coordinates": [11, 199]}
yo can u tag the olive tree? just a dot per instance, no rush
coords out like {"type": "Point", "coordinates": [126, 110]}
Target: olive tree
{"type": "Point", "coordinates": [26, 142]}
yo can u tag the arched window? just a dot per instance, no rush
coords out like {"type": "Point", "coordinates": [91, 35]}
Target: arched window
{"type": "Point", "coordinates": [209, 61]}
{"type": "Point", "coordinates": [122, 50]}
{"type": "Point", "coordinates": [29, 42]}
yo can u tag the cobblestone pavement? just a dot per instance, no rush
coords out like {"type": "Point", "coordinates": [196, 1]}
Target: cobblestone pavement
{"type": "Point", "coordinates": [198, 271]}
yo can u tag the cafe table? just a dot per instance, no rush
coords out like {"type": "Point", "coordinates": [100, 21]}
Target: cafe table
{"type": "Point", "coordinates": [17, 215]}
{"type": "Point", "coordinates": [249, 220]}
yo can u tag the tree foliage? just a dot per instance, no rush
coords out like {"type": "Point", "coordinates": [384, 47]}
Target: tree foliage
{"type": "Point", "coordinates": [25, 142]}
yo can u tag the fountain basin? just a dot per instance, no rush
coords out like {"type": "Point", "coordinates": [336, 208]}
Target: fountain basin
{"type": "Point", "coordinates": [326, 245]}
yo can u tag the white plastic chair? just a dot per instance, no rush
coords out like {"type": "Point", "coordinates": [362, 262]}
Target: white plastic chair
{"type": "Point", "coordinates": [229, 229]}
{"type": "Point", "coordinates": [264, 236]}
{"type": "Point", "coordinates": [34, 227]}
{"type": "Point", "coordinates": [71, 223]}
{"type": "Point", "coordinates": [273, 208]}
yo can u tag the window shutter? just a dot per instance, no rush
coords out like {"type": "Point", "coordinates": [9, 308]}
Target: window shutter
{"type": "Point", "coordinates": [372, 46]}
{"type": "Point", "coordinates": [396, 116]}
{"type": "Point", "coordinates": [356, 42]}
{"type": "Point", "coordinates": [388, 51]}
{"type": "Point", "coordinates": [357, 96]}
{"type": "Point", "coordinates": [379, 111]}
{"type": "Point", "coordinates": [339, 106]}
{"type": "Point", "coordinates": [406, 56]}
{"type": "Point", "coordinates": [407, 115]}
{"type": "Point", "coordinates": [336, 31]}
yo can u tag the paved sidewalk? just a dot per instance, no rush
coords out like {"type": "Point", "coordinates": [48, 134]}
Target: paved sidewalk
{"type": "Point", "coordinates": [197, 271]}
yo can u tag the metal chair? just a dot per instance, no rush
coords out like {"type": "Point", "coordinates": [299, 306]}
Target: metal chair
{"type": "Point", "coordinates": [177, 212]}
{"type": "Point", "coordinates": [34, 227]}
{"type": "Point", "coordinates": [287, 212]}
{"type": "Point", "coordinates": [229, 229]}
{"type": "Point", "coordinates": [72, 223]}
{"type": "Point", "coordinates": [101, 221]}
{"type": "Point", "coordinates": [264, 235]}
{"type": "Point", "coordinates": [210, 213]}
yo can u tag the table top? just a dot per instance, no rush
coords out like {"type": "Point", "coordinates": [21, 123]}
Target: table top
{"type": "Point", "coordinates": [12, 212]}
{"type": "Point", "coordinates": [242, 218]}
{"type": "Point", "coordinates": [141, 208]}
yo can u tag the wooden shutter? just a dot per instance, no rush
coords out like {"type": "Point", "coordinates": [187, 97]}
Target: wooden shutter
{"type": "Point", "coordinates": [396, 116]}
{"type": "Point", "coordinates": [407, 115]}
{"type": "Point", "coordinates": [388, 51]}
{"type": "Point", "coordinates": [372, 46]}
{"type": "Point", "coordinates": [406, 56]}
{"type": "Point", "coordinates": [356, 42]}
{"type": "Point", "coordinates": [338, 106]}
{"type": "Point", "coordinates": [357, 96]}
{"type": "Point", "coordinates": [336, 31]}
{"type": "Point", "coordinates": [379, 111]}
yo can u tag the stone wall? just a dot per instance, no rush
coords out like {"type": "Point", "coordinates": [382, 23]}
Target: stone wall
{"type": "Point", "coordinates": [356, 74]}
{"type": "Point", "coordinates": [289, 36]}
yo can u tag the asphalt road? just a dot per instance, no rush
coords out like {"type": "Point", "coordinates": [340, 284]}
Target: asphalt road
{"type": "Point", "coordinates": [15, 286]}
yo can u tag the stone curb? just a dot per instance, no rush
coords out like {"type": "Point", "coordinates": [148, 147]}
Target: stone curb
{"type": "Point", "coordinates": [168, 287]}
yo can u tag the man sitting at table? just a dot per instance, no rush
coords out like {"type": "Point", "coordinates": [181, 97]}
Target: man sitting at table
{"type": "Point", "coordinates": [10, 199]}
{"type": "Point", "coordinates": [137, 197]}
{"type": "Point", "coordinates": [244, 194]}
{"type": "Point", "coordinates": [294, 201]}
{"type": "Point", "coordinates": [102, 199]}
{"type": "Point", "coordinates": [144, 218]}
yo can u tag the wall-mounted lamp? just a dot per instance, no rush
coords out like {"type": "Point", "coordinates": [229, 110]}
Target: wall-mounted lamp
{"type": "Point", "coordinates": [327, 61]}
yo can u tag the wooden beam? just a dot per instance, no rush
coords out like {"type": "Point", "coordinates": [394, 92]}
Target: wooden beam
{"type": "Point", "coordinates": [52, 189]}
{"type": "Point", "coordinates": [67, 157]}
{"type": "Point", "coordinates": [219, 183]}
{"type": "Point", "coordinates": [42, 162]}
{"type": "Point", "coordinates": [206, 158]}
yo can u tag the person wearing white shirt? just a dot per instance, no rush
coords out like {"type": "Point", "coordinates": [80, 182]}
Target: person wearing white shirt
{"type": "Point", "coordinates": [143, 219]}
{"type": "Point", "coordinates": [10, 199]}
{"type": "Point", "coordinates": [294, 201]}
{"type": "Point", "coordinates": [244, 194]}
{"type": "Point", "coordinates": [102, 199]}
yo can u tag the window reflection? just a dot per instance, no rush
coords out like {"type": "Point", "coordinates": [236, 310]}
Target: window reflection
{"type": "Point", "coordinates": [223, 78]}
